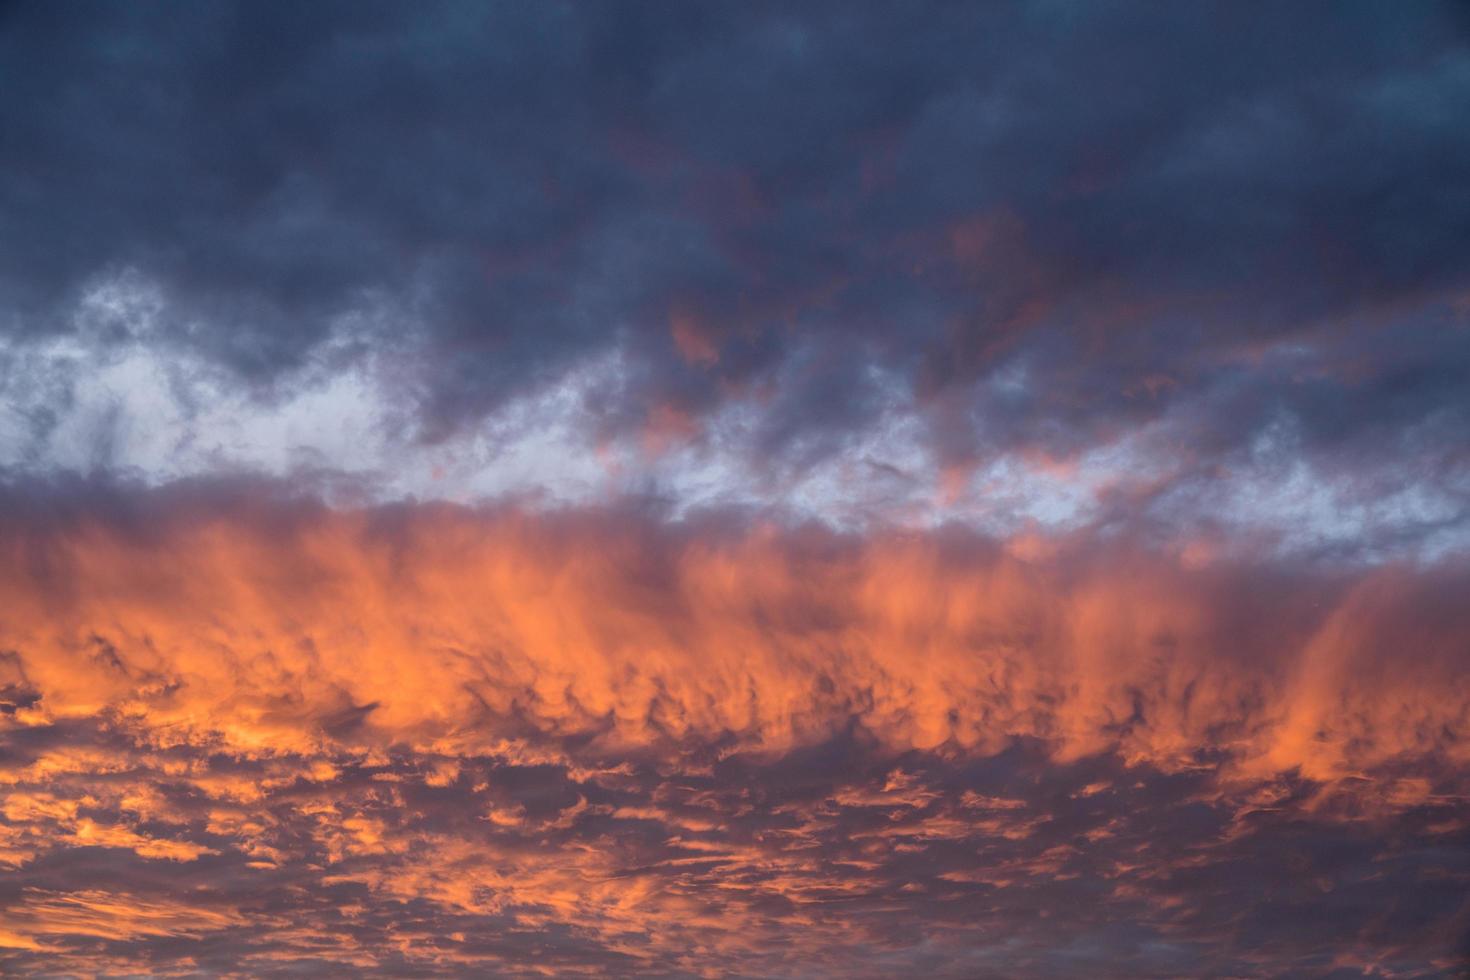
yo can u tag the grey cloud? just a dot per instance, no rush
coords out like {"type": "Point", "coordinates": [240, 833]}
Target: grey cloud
{"type": "Point", "coordinates": [1091, 199]}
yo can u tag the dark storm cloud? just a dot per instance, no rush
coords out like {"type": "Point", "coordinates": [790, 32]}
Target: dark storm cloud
{"type": "Point", "coordinates": [1054, 222]}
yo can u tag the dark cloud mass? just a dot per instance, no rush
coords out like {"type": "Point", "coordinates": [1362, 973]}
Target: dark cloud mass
{"type": "Point", "coordinates": [1126, 206]}
{"type": "Point", "coordinates": [701, 489]}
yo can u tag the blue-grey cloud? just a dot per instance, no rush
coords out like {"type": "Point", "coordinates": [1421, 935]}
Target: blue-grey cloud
{"type": "Point", "coordinates": [1050, 224]}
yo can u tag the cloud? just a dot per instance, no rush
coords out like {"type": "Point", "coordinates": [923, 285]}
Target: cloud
{"type": "Point", "coordinates": [288, 618]}
{"type": "Point", "coordinates": [631, 745]}
{"type": "Point", "coordinates": [866, 490]}
{"type": "Point", "coordinates": [1041, 232]}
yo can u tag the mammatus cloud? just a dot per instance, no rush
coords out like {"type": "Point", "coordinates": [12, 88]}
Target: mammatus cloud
{"type": "Point", "coordinates": [431, 738]}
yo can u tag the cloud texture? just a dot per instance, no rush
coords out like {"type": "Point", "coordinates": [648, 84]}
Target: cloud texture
{"type": "Point", "coordinates": [599, 741]}
{"type": "Point", "coordinates": [701, 489]}
{"type": "Point", "coordinates": [755, 256]}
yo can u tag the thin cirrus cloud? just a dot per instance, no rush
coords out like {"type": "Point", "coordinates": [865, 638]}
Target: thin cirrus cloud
{"type": "Point", "coordinates": [708, 490]}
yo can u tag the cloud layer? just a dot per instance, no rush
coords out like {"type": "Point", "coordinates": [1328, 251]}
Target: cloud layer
{"type": "Point", "coordinates": [698, 490]}
{"type": "Point", "coordinates": [489, 739]}
{"type": "Point", "coordinates": [1210, 263]}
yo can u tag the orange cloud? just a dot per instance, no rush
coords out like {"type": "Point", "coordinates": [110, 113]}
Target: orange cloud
{"type": "Point", "coordinates": [442, 625]}
{"type": "Point", "coordinates": [693, 340]}
{"type": "Point", "coordinates": [687, 744]}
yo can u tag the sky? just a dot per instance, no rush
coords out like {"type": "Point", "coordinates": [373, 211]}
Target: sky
{"type": "Point", "coordinates": [705, 489]}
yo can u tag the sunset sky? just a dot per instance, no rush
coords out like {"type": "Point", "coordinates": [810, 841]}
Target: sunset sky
{"type": "Point", "coordinates": [822, 489]}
